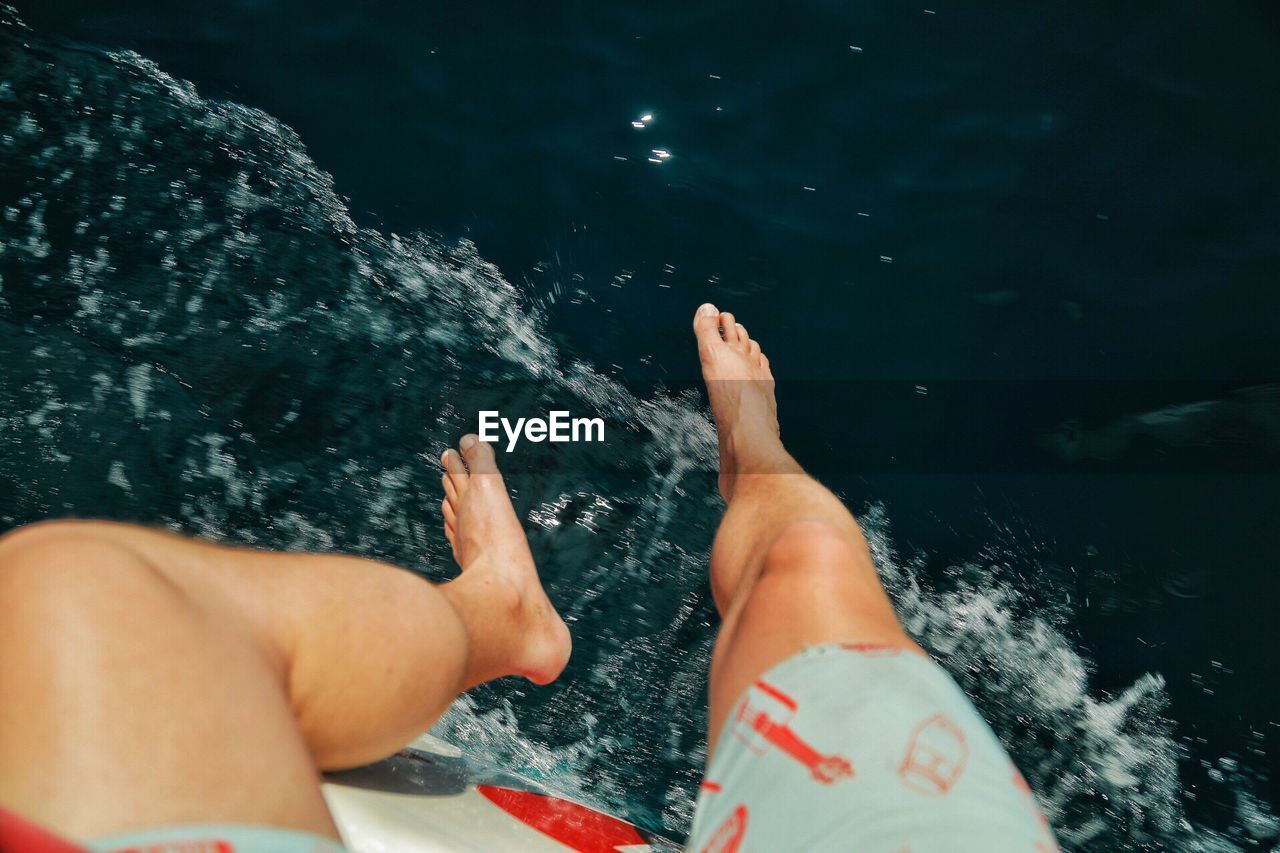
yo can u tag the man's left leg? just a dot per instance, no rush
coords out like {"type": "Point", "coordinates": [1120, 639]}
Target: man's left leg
{"type": "Point", "coordinates": [147, 679]}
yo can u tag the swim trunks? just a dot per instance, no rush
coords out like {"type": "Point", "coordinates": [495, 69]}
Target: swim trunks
{"type": "Point", "coordinates": [862, 747]}
{"type": "Point", "coordinates": [216, 838]}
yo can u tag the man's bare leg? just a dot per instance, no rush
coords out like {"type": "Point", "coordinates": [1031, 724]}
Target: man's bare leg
{"type": "Point", "coordinates": [151, 680]}
{"type": "Point", "coordinates": [789, 568]}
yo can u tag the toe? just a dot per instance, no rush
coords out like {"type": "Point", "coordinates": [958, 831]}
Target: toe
{"type": "Point", "coordinates": [450, 491]}
{"type": "Point", "coordinates": [744, 340]}
{"type": "Point", "coordinates": [450, 526]}
{"type": "Point", "coordinates": [753, 349]}
{"type": "Point", "coordinates": [706, 326]}
{"type": "Point", "coordinates": [455, 469]}
{"type": "Point", "coordinates": [728, 328]}
{"type": "Point", "coordinates": [452, 536]}
{"type": "Point", "coordinates": [479, 455]}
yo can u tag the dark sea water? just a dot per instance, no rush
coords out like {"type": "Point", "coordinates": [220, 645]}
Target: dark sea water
{"type": "Point", "coordinates": [1016, 266]}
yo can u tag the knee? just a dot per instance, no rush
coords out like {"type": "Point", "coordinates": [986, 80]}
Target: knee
{"type": "Point", "coordinates": [813, 549]}
{"type": "Point", "coordinates": [807, 552]}
{"type": "Point", "coordinates": [824, 571]}
{"type": "Point", "coordinates": [68, 560]}
{"type": "Point", "coordinates": [48, 541]}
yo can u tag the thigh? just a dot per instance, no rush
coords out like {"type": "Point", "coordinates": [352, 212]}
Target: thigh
{"type": "Point", "coordinates": [125, 703]}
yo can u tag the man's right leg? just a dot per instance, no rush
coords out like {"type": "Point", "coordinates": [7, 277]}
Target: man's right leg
{"type": "Point", "coordinates": [844, 734]}
{"type": "Point", "coordinates": [789, 569]}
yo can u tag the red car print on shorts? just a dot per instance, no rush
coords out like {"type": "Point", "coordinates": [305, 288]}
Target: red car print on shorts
{"type": "Point", "coordinates": [763, 721]}
{"type": "Point", "coordinates": [936, 756]}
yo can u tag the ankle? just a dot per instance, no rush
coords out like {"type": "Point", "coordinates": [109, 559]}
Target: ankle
{"type": "Point", "coordinates": [758, 450]}
{"type": "Point", "coordinates": [491, 609]}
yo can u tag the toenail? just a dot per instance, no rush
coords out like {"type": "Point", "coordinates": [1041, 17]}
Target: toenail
{"type": "Point", "coordinates": [468, 442]}
{"type": "Point", "coordinates": [707, 310]}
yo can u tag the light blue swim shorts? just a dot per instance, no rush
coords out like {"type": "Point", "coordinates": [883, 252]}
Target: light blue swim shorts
{"type": "Point", "coordinates": [216, 838]}
{"type": "Point", "coordinates": [867, 748]}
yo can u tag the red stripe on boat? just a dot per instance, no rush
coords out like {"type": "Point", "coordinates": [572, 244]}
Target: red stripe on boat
{"type": "Point", "coordinates": [584, 829]}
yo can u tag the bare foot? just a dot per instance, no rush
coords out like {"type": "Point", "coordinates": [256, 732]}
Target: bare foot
{"type": "Point", "coordinates": [489, 543]}
{"type": "Point", "coordinates": [740, 386]}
